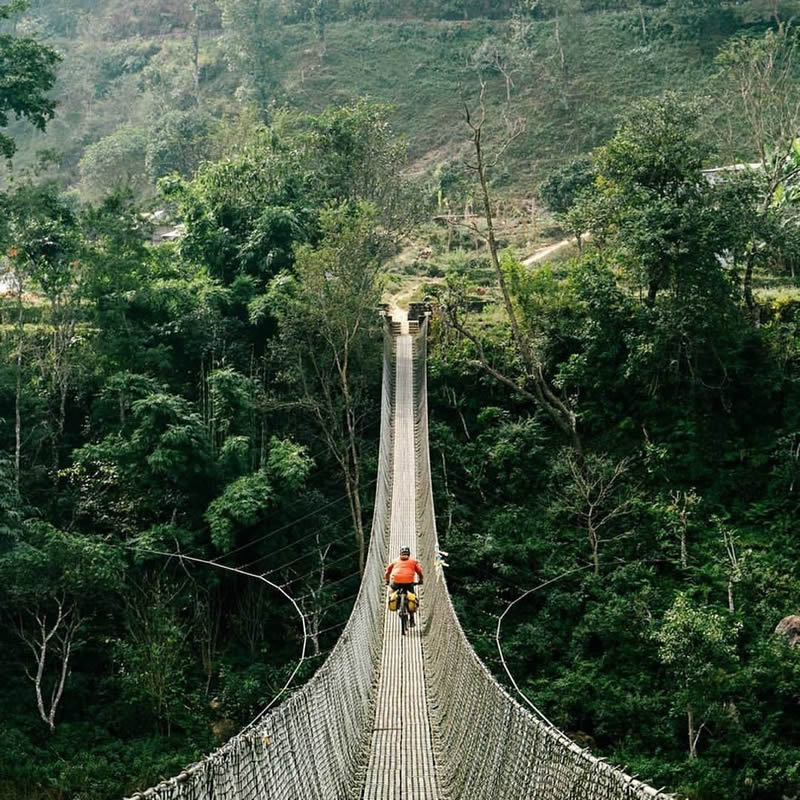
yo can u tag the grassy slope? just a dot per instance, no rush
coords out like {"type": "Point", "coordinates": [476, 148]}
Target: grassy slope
{"type": "Point", "coordinates": [419, 68]}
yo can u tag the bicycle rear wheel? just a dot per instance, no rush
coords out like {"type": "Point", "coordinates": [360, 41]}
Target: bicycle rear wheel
{"type": "Point", "coordinates": [403, 613]}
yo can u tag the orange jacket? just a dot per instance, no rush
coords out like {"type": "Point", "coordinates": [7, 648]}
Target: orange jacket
{"type": "Point", "coordinates": [403, 570]}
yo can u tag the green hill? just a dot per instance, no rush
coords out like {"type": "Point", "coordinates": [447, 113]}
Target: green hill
{"type": "Point", "coordinates": [127, 92]}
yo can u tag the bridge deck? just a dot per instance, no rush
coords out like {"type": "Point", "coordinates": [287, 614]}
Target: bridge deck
{"type": "Point", "coordinates": [401, 764]}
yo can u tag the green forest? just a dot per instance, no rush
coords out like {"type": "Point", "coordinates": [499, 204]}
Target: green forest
{"type": "Point", "coordinates": [205, 204]}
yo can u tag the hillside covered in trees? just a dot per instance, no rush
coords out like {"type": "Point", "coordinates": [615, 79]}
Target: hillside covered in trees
{"type": "Point", "coordinates": [618, 425]}
{"type": "Point", "coordinates": [148, 87]}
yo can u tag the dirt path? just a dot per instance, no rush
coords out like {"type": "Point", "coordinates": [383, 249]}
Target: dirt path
{"type": "Point", "coordinates": [544, 252]}
{"type": "Point", "coordinates": [398, 300]}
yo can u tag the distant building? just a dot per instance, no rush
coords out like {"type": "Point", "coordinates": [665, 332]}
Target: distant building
{"type": "Point", "coordinates": [8, 283]}
{"type": "Point", "coordinates": [716, 175]}
{"type": "Point", "coordinates": [164, 229]}
{"type": "Point", "coordinates": [168, 234]}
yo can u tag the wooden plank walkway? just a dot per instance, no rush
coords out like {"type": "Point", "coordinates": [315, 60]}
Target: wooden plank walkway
{"type": "Point", "coordinates": [401, 763]}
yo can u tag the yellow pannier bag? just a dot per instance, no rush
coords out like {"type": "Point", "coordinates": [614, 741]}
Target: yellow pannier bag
{"type": "Point", "coordinates": [393, 601]}
{"type": "Point", "coordinates": [412, 602]}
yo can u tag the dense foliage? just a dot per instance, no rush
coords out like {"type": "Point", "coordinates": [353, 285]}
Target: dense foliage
{"type": "Point", "coordinates": [622, 429]}
{"type": "Point", "coordinates": [663, 532]}
{"type": "Point", "coordinates": [185, 398]}
{"type": "Point", "coordinates": [28, 70]}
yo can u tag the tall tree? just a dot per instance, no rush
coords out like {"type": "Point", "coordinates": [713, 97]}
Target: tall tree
{"type": "Point", "coordinates": [253, 48]}
{"type": "Point", "coordinates": [697, 645]}
{"type": "Point", "coordinates": [44, 243]}
{"type": "Point", "coordinates": [115, 161]}
{"type": "Point", "coordinates": [322, 12]}
{"type": "Point", "coordinates": [650, 174]}
{"type": "Point", "coordinates": [47, 246]}
{"type": "Point", "coordinates": [549, 60]}
{"type": "Point", "coordinates": [50, 581]}
{"type": "Point", "coordinates": [354, 156]}
{"type": "Point", "coordinates": [28, 71]}
{"type": "Point", "coordinates": [178, 142]}
{"type": "Point", "coordinates": [495, 54]}
{"type": "Point", "coordinates": [244, 213]}
{"type": "Point", "coordinates": [329, 323]}
{"type": "Point", "coordinates": [194, 30]}
{"type": "Point", "coordinates": [760, 75]}
{"type": "Point", "coordinates": [532, 383]}
{"type": "Point", "coordinates": [594, 494]}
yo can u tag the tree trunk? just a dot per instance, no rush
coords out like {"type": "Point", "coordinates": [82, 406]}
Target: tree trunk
{"type": "Point", "coordinates": [559, 412]}
{"type": "Point", "coordinates": [18, 390]}
{"type": "Point", "coordinates": [315, 616]}
{"type": "Point", "coordinates": [562, 62]}
{"type": "Point", "coordinates": [594, 541]}
{"type": "Point", "coordinates": [313, 633]}
{"type": "Point", "coordinates": [691, 731]}
{"type": "Point", "coordinates": [362, 540]}
{"type": "Point", "coordinates": [60, 374]}
{"type": "Point", "coordinates": [509, 84]}
{"type": "Point", "coordinates": [63, 632]}
{"type": "Point", "coordinates": [652, 293]}
{"type": "Point", "coordinates": [684, 548]}
{"type": "Point", "coordinates": [195, 30]}
{"type": "Point", "coordinates": [354, 479]}
{"type": "Point", "coordinates": [449, 497]}
{"type": "Point", "coordinates": [522, 342]}
{"type": "Point", "coordinates": [747, 283]}
{"type": "Point", "coordinates": [351, 490]}
{"type": "Point", "coordinates": [318, 19]}
{"type": "Point", "coordinates": [208, 622]}
{"type": "Point", "coordinates": [562, 59]}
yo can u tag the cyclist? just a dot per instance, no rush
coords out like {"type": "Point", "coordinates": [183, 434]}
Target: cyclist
{"type": "Point", "coordinates": [400, 575]}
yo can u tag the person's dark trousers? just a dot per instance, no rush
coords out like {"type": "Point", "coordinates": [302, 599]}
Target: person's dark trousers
{"type": "Point", "coordinates": [408, 587]}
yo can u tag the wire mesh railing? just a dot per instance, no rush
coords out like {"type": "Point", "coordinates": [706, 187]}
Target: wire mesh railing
{"type": "Point", "coordinates": [314, 745]}
{"type": "Point", "coordinates": [488, 745]}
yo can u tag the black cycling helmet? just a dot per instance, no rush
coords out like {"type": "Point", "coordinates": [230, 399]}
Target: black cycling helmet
{"type": "Point", "coordinates": [405, 551]}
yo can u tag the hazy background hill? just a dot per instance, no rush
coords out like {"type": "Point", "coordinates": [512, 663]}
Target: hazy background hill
{"type": "Point", "coordinates": [146, 88]}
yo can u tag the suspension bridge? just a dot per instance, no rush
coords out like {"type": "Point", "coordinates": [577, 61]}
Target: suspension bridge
{"type": "Point", "coordinates": [388, 717]}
